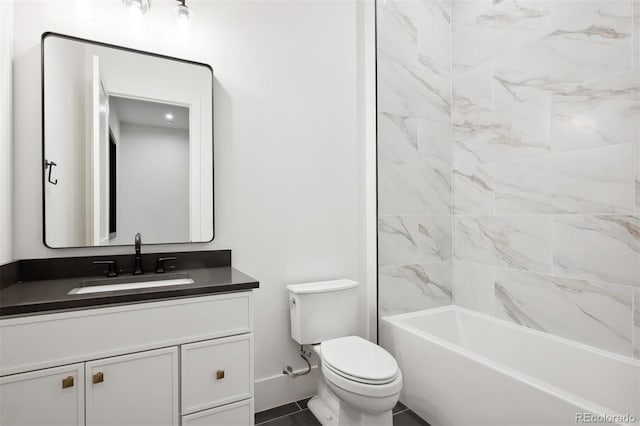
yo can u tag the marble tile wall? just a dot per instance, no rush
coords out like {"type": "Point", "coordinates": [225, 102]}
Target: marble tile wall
{"type": "Point", "coordinates": [414, 155]}
{"type": "Point", "coordinates": [509, 165]}
{"type": "Point", "coordinates": [546, 123]}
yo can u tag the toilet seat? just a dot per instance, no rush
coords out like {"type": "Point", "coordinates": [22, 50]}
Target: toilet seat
{"type": "Point", "coordinates": [359, 379]}
{"type": "Point", "coordinates": [357, 360]}
{"type": "Point", "coordinates": [363, 389]}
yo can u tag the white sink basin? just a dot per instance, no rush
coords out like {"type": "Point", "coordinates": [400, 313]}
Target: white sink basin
{"type": "Point", "coordinates": [116, 284]}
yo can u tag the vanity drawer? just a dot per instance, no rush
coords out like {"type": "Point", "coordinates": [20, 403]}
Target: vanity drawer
{"type": "Point", "coordinates": [41, 341]}
{"type": "Point", "coordinates": [216, 372]}
{"type": "Point", "coordinates": [236, 414]}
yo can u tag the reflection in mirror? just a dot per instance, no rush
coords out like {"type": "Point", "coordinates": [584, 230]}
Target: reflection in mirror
{"type": "Point", "coordinates": [131, 136]}
{"type": "Point", "coordinates": [149, 186]}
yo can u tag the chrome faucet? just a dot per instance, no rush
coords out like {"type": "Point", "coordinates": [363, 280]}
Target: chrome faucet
{"type": "Point", "coordinates": [137, 268]}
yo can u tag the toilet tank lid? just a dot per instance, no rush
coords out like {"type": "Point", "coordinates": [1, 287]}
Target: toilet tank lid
{"type": "Point", "coordinates": [322, 286]}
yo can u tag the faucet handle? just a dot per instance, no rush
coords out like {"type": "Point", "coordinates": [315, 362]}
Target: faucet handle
{"type": "Point", "coordinates": [113, 267]}
{"type": "Point", "coordinates": [160, 264]}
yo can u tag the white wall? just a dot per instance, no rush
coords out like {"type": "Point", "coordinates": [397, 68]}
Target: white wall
{"type": "Point", "coordinates": [366, 28]}
{"type": "Point", "coordinates": [152, 190]}
{"type": "Point", "coordinates": [6, 152]}
{"type": "Point", "coordinates": [287, 150]}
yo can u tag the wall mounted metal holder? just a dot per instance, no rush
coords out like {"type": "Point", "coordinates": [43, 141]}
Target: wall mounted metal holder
{"type": "Point", "coordinates": [50, 165]}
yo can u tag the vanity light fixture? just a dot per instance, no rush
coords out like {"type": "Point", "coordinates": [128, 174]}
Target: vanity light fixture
{"type": "Point", "coordinates": [138, 7]}
{"type": "Point", "coordinates": [169, 117]}
{"type": "Point", "coordinates": [183, 11]}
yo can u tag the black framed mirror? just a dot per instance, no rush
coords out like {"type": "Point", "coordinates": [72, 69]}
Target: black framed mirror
{"type": "Point", "coordinates": [127, 145]}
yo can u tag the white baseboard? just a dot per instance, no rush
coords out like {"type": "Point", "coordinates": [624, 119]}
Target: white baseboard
{"type": "Point", "coordinates": [281, 389]}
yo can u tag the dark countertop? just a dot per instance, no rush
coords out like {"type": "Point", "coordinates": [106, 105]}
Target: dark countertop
{"type": "Point", "coordinates": [47, 296]}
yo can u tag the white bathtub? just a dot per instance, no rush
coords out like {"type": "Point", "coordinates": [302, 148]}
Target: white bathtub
{"type": "Point", "coordinates": [461, 367]}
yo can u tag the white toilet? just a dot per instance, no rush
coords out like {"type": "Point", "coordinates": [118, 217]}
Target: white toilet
{"type": "Point", "coordinates": [358, 382]}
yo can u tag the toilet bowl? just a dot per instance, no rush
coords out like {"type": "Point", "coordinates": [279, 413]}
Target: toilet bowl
{"type": "Point", "coordinates": [359, 382]}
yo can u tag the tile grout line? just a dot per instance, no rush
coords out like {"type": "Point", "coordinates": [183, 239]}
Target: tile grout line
{"type": "Point", "coordinates": [547, 274]}
{"type": "Point", "coordinates": [452, 164]}
{"type": "Point", "coordinates": [304, 409]}
{"type": "Point", "coordinates": [284, 415]}
{"type": "Point", "coordinates": [634, 297]}
{"type": "Point", "coordinates": [553, 246]}
{"type": "Point", "coordinates": [280, 417]}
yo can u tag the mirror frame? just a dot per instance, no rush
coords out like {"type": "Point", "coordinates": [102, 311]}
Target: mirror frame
{"type": "Point", "coordinates": [42, 160]}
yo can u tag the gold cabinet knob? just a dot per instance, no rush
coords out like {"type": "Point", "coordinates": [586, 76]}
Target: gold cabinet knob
{"type": "Point", "coordinates": [67, 382]}
{"type": "Point", "coordinates": [219, 374]}
{"type": "Point", "coordinates": [98, 378]}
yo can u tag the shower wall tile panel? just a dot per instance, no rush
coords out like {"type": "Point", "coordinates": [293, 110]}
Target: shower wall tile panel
{"type": "Point", "coordinates": [546, 123]}
{"type": "Point", "coordinates": [588, 312]}
{"type": "Point", "coordinates": [595, 180]}
{"type": "Point", "coordinates": [405, 240]}
{"type": "Point", "coordinates": [410, 288]}
{"type": "Point", "coordinates": [598, 113]}
{"type": "Point", "coordinates": [414, 155]}
{"type": "Point", "coordinates": [602, 248]}
{"type": "Point", "coordinates": [518, 242]}
{"type": "Point", "coordinates": [473, 287]}
{"type": "Point", "coordinates": [508, 163]}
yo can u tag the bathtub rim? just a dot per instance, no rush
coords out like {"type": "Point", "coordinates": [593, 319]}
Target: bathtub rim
{"type": "Point", "coordinates": [397, 319]}
{"type": "Point", "coordinates": [578, 401]}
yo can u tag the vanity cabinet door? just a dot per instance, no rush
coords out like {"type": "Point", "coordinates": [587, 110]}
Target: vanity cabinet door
{"type": "Point", "coordinates": [137, 389]}
{"type": "Point", "coordinates": [54, 396]}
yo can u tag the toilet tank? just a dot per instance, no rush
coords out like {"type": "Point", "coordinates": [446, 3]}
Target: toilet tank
{"type": "Point", "coordinates": [323, 310]}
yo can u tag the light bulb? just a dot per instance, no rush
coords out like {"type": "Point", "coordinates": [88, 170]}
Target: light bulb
{"type": "Point", "coordinates": [183, 13]}
{"type": "Point", "coordinates": [137, 7]}
{"type": "Point", "coordinates": [183, 16]}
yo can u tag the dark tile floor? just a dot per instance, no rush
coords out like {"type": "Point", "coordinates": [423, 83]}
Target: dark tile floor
{"type": "Point", "coordinates": [297, 414]}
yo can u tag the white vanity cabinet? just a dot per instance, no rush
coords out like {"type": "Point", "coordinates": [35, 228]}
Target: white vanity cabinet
{"type": "Point", "coordinates": [182, 361]}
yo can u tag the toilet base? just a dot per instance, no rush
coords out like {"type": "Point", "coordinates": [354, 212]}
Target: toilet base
{"type": "Point", "coordinates": [346, 416]}
{"type": "Point", "coordinates": [322, 412]}
{"type": "Point", "coordinates": [331, 411]}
